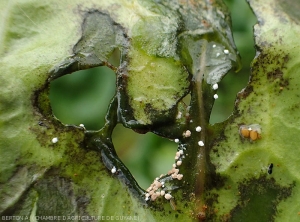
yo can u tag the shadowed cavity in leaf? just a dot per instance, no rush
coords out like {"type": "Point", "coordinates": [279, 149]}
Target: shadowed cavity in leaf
{"type": "Point", "coordinates": [83, 97]}
{"type": "Point", "coordinates": [147, 156]}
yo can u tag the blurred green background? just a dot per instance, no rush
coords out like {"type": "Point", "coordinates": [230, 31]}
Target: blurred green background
{"type": "Point", "coordinates": [83, 98]}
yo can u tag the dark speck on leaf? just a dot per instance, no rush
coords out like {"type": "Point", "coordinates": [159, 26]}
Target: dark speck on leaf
{"type": "Point", "coordinates": [270, 168]}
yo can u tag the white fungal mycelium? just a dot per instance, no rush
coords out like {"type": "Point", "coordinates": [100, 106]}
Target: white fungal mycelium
{"type": "Point", "coordinates": [54, 140]}
{"type": "Point", "coordinates": [113, 170]}
{"type": "Point", "coordinates": [216, 96]}
{"type": "Point", "coordinates": [81, 125]}
{"type": "Point", "coordinates": [179, 115]}
{"type": "Point", "coordinates": [198, 128]}
{"type": "Point", "coordinates": [215, 86]}
{"type": "Point", "coordinates": [214, 46]}
{"type": "Point", "coordinates": [176, 140]}
{"type": "Point", "coordinates": [200, 143]}
{"type": "Point", "coordinates": [226, 51]}
{"type": "Point", "coordinates": [147, 195]}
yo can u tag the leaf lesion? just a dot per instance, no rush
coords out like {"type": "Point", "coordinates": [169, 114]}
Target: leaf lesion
{"type": "Point", "coordinates": [199, 63]}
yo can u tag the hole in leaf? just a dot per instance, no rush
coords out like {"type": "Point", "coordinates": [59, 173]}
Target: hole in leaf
{"type": "Point", "coordinates": [187, 99]}
{"type": "Point", "coordinates": [83, 97]}
{"type": "Point", "coordinates": [115, 57]}
{"type": "Point", "coordinates": [147, 156]}
{"type": "Point", "coordinates": [235, 82]}
{"type": "Point", "coordinates": [230, 85]}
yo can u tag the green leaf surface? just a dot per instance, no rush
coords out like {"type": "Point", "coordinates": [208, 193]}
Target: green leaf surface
{"type": "Point", "coordinates": [249, 192]}
{"type": "Point", "coordinates": [49, 169]}
{"type": "Point", "coordinates": [168, 49]}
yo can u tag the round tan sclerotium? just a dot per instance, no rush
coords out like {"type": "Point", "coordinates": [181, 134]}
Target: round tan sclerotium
{"type": "Point", "coordinates": [174, 175]}
{"type": "Point", "coordinates": [157, 184]}
{"type": "Point", "coordinates": [179, 162]}
{"type": "Point", "coordinates": [154, 196]}
{"type": "Point", "coordinates": [187, 133]}
{"type": "Point", "coordinates": [168, 196]}
{"type": "Point", "coordinates": [179, 176]}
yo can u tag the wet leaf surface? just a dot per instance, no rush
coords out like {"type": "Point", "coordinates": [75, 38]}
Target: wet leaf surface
{"type": "Point", "coordinates": [270, 100]}
{"type": "Point", "coordinates": [168, 49]}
